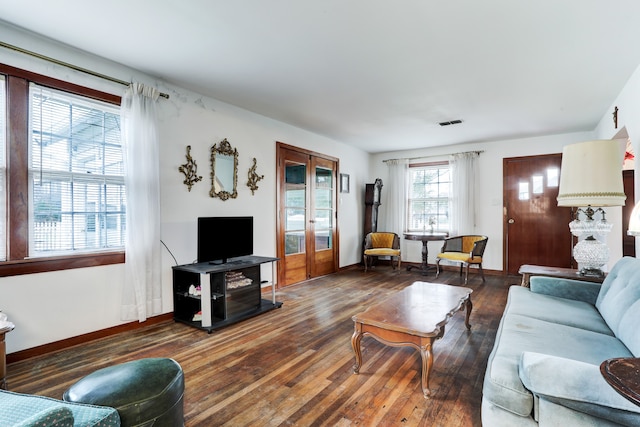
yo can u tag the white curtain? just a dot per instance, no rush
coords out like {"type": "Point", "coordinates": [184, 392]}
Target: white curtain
{"type": "Point", "coordinates": [142, 294]}
{"type": "Point", "coordinates": [394, 197]}
{"type": "Point", "coordinates": [462, 203]}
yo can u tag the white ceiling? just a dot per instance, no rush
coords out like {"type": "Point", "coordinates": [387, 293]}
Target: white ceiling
{"type": "Point", "coordinates": [377, 74]}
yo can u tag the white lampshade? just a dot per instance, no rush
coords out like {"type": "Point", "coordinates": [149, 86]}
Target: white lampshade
{"type": "Point", "coordinates": [591, 174]}
{"type": "Point", "coordinates": [634, 221]}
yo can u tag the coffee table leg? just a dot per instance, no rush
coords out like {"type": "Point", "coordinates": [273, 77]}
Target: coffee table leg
{"type": "Point", "coordinates": [427, 362]}
{"type": "Point", "coordinates": [355, 343]}
{"type": "Point", "coordinates": [469, 308]}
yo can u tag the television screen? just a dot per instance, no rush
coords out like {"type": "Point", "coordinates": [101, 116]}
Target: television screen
{"type": "Point", "coordinates": [221, 238]}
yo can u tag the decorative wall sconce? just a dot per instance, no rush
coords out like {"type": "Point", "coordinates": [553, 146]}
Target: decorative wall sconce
{"type": "Point", "coordinates": [190, 170]}
{"type": "Point", "coordinates": [252, 182]}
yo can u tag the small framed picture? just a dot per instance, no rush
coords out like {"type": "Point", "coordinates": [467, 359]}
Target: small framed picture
{"type": "Point", "coordinates": [344, 183]}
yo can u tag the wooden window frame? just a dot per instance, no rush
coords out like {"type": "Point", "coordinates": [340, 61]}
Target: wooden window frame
{"type": "Point", "coordinates": [17, 152]}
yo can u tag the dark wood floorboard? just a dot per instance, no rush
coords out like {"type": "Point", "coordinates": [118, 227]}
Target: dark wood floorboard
{"type": "Point", "coordinates": [293, 366]}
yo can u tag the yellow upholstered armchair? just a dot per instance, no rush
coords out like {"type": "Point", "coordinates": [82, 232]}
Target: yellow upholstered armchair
{"type": "Point", "coordinates": [466, 250]}
{"type": "Point", "coordinates": [381, 244]}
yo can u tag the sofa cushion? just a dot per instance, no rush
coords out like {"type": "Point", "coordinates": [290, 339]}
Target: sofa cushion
{"type": "Point", "coordinates": [578, 290]}
{"type": "Point", "coordinates": [56, 416]}
{"type": "Point", "coordinates": [576, 385]}
{"type": "Point", "coordinates": [619, 302]}
{"type": "Point", "coordinates": [556, 310]}
{"type": "Point", "coordinates": [25, 406]}
{"type": "Point", "coordinates": [518, 333]}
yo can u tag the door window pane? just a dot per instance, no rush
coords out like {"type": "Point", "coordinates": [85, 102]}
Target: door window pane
{"type": "Point", "coordinates": [537, 184]}
{"type": "Point", "coordinates": [294, 242]}
{"type": "Point", "coordinates": [3, 170]}
{"type": "Point", "coordinates": [323, 194]}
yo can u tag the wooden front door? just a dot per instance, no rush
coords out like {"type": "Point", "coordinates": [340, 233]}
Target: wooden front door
{"type": "Point", "coordinates": [536, 230]}
{"type": "Point", "coordinates": [306, 222]}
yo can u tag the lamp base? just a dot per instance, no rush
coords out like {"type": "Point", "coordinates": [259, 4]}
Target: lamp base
{"type": "Point", "coordinates": [591, 255]}
{"type": "Point", "coordinates": [591, 272]}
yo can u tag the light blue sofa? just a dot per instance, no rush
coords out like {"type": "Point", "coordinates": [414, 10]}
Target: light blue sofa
{"type": "Point", "coordinates": [544, 366]}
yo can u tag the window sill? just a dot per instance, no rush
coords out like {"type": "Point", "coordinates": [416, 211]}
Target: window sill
{"type": "Point", "coordinates": [43, 265]}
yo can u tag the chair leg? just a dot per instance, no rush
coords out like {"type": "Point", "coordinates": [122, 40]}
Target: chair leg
{"type": "Point", "coordinates": [481, 272]}
{"type": "Point", "coordinates": [461, 266]}
{"type": "Point", "coordinates": [399, 261]}
{"type": "Point", "coordinates": [466, 275]}
{"type": "Point", "coordinates": [437, 267]}
{"type": "Point", "coordinates": [365, 263]}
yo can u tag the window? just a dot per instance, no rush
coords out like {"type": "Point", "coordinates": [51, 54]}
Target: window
{"type": "Point", "coordinates": [63, 176]}
{"type": "Point", "coordinates": [76, 174]}
{"type": "Point", "coordinates": [429, 192]}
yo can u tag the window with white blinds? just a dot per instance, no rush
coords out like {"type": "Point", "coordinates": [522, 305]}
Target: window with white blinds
{"type": "Point", "coordinates": [76, 174]}
{"type": "Point", "coordinates": [428, 204]}
{"type": "Point", "coordinates": [3, 168]}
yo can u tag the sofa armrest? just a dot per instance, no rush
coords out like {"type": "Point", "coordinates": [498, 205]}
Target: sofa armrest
{"type": "Point", "coordinates": [578, 290]}
{"type": "Point", "coordinates": [575, 385]}
{"type": "Point", "coordinates": [56, 416]}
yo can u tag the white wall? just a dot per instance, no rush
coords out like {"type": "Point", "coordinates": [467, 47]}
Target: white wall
{"type": "Point", "coordinates": [628, 104]}
{"type": "Point", "coordinates": [490, 201]}
{"type": "Point", "coordinates": [49, 307]}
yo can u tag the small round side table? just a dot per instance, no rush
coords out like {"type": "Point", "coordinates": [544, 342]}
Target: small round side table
{"type": "Point", "coordinates": [623, 374]}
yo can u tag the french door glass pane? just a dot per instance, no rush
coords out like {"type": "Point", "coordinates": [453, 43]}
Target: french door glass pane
{"type": "Point", "coordinates": [323, 215]}
{"type": "Point", "coordinates": [294, 197]}
{"type": "Point", "coordinates": [295, 208]}
{"type": "Point", "coordinates": [294, 242]}
{"type": "Point", "coordinates": [3, 169]}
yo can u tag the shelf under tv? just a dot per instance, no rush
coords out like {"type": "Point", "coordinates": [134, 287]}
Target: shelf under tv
{"type": "Point", "coordinates": [229, 293]}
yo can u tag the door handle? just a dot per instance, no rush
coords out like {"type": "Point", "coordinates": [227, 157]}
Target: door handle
{"type": "Point", "coordinates": [511, 221]}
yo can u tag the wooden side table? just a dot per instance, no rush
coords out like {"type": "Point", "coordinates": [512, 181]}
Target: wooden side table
{"type": "Point", "coordinates": [528, 270]}
{"type": "Point", "coordinates": [623, 374]}
{"type": "Point", "coordinates": [4, 328]}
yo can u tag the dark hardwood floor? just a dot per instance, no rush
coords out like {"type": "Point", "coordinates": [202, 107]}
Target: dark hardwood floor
{"type": "Point", "coordinates": [293, 366]}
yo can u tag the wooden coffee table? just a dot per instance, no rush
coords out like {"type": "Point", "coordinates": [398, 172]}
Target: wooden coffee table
{"type": "Point", "coordinates": [413, 317]}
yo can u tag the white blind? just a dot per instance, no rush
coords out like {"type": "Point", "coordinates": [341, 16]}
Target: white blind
{"type": "Point", "coordinates": [76, 174]}
{"type": "Point", "coordinates": [3, 168]}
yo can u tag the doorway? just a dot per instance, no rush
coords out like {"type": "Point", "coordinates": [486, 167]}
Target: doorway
{"type": "Point", "coordinates": [628, 242]}
{"type": "Point", "coordinates": [535, 229]}
{"type": "Point", "coordinates": [307, 236]}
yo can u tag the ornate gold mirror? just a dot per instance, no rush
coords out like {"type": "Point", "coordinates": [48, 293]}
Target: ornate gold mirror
{"type": "Point", "coordinates": [224, 171]}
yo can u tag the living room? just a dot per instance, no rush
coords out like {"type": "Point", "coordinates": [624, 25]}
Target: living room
{"type": "Point", "coordinates": [56, 306]}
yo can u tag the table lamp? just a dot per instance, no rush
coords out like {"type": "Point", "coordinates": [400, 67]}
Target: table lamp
{"type": "Point", "coordinates": [591, 177]}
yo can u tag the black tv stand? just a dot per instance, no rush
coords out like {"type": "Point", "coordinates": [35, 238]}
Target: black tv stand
{"type": "Point", "coordinates": [229, 292]}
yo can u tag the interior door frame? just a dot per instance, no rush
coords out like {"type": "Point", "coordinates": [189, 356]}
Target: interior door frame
{"type": "Point", "coordinates": [280, 146]}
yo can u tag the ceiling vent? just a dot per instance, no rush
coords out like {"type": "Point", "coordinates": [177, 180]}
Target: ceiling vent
{"type": "Point", "coordinates": [452, 122]}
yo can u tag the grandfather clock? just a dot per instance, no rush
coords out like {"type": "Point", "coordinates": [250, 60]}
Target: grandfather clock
{"type": "Point", "coordinates": [371, 204]}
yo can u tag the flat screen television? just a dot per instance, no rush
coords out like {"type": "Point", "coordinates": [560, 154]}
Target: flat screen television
{"type": "Point", "coordinates": [221, 238]}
